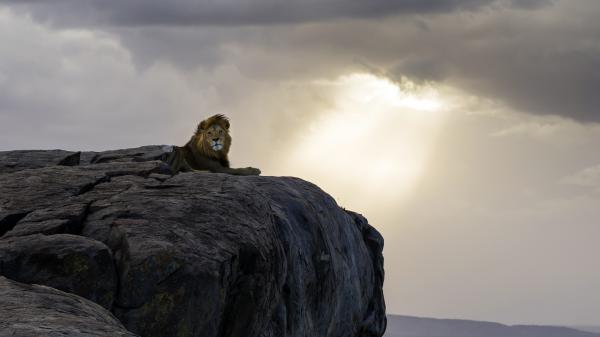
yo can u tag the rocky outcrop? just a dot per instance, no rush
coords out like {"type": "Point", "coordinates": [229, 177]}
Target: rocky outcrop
{"type": "Point", "coordinates": [193, 254]}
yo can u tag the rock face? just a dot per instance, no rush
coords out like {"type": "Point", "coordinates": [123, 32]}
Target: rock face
{"type": "Point", "coordinates": [193, 254]}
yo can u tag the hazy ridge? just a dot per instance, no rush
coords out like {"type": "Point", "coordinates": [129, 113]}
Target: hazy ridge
{"type": "Point", "coordinates": [595, 329]}
{"type": "Point", "coordinates": [407, 326]}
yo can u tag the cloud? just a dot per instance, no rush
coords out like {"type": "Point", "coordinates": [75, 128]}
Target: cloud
{"type": "Point", "coordinates": [230, 12]}
{"type": "Point", "coordinates": [500, 198]}
{"type": "Point", "coordinates": [81, 89]}
{"type": "Point", "coordinates": [87, 92]}
{"type": "Point", "coordinates": [543, 62]}
{"type": "Point", "coordinates": [538, 57]}
{"type": "Point", "coordinates": [588, 177]}
{"type": "Point", "coordinates": [555, 131]}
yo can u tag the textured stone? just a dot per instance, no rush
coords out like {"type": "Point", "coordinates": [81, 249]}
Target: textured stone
{"type": "Point", "coordinates": [12, 161]}
{"type": "Point", "coordinates": [59, 218]}
{"type": "Point", "coordinates": [22, 192]}
{"type": "Point", "coordinates": [33, 310]}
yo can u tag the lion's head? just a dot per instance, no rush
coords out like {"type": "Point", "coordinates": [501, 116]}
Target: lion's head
{"type": "Point", "coordinates": [212, 137]}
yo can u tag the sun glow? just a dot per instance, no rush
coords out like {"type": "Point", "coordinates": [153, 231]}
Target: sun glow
{"type": "Point", "coordinates": [373, 142]}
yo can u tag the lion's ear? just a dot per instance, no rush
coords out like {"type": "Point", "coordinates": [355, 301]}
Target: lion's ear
{"type": "Point", "coordinates": [226, 124]}
{"type": "Point", "coordinates": [202, 126]}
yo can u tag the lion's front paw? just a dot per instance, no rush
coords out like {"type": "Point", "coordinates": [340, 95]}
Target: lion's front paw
{"type": "Point", "coordinates": [251, 171]}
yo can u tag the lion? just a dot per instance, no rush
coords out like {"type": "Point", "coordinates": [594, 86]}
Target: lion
{"type": "Point", "coordinates": [208, 150]}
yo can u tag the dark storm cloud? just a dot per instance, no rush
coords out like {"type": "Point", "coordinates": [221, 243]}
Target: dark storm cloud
{"type": "Point", "coordinates": [230, 12]}
{"type": "Point", "coordinates": [545, 62]}
{"type": "Point", "coordinates": [537, 56]}
{"type": "Point", "coordinates": [538, 81]}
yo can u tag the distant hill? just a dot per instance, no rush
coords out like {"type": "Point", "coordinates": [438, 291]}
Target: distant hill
{"type": "Point", "coordinates": [406, 326]}
{"type": "Point", "coordinates": [595, 329]}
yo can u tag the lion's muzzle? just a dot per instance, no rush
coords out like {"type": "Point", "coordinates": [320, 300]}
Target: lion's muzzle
{"type": "Point", "coordinates": [216, 145]}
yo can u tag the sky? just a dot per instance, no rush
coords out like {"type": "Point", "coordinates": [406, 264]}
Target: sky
{"type": "Point", "coordinates": [466, 131]}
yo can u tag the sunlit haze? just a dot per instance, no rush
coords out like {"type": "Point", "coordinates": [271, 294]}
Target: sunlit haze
{"type": "Point", "coordinates": [371, 144]}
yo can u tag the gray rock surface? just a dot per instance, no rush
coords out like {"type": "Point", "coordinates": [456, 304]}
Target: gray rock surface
{"type": "Point", "coordinates": [12, 161]}
{"type": "Point", "coordinates": [33, 310]}
{"type": "Point", "coordinates": [194, 254]}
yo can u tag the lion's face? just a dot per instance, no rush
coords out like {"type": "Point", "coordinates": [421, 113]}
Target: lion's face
{"type": "Point", "coordinates": [212, 137]}
{"type": "Point", "coordinates": [216, 137]}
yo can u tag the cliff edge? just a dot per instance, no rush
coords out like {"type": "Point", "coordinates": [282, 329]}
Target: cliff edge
{"type": "Point", "coordinates": [118, 246]}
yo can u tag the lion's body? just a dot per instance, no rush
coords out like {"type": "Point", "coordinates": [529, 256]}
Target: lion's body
{"type": "Point", "coordinates": [208, 150]}
{"type": "Point", "coordinates": [188, 158]}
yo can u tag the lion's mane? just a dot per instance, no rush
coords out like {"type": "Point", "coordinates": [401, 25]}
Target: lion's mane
{"type": "Point", "coordinates": [200, 142]}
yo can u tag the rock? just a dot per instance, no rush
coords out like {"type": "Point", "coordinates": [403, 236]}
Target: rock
{"type": "Point", "coordinates": [203, 254]}
{"type": "Point", "coordinates": [12, 161]}
{"type": "Point", "coordinates": [60, 218]}
{"type": "Point", "coordinates": [23, 192]}
{"type": "Point", "coordinates": [66, 262]}
{"type": "Point", "coordinates": [33, 310]}
{"type": "Point", "coordinates": [144, 153]}
{"type": "Point", "coordinates": [71, 160]}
